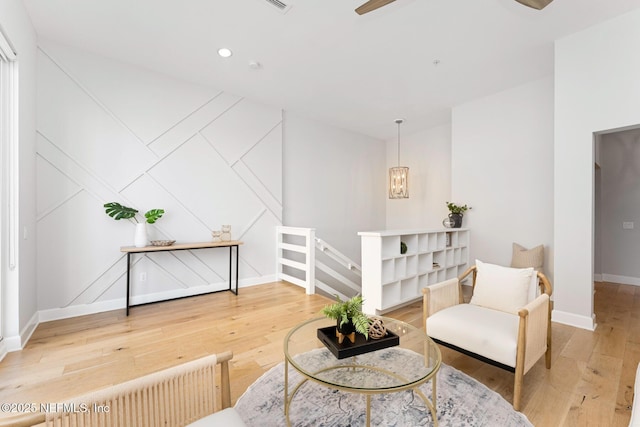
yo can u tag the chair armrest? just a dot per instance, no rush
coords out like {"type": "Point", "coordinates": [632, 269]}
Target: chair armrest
{"type": "Point", "coordinates": [534, 331]}
{"type": "Point", "coordinates": [439, 296]}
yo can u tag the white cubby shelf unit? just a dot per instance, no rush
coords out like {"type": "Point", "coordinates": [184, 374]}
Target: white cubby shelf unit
{"type": "Point", "coordinates": [391, 279]}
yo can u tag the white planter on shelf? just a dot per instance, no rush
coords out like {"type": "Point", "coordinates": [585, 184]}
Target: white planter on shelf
{"type": "Point", "coordinates": [140, 238]}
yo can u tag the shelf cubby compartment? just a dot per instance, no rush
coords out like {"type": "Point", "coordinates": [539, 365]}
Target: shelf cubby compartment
{"type": "Point", "coordinates": [450, 255]}
{"type": "Point", "coordinates": [409, 288]}
{"type": "Point", "coordinates": [411, 240]}
{"type": "Point", "coordinates": [433, 241]}
{"type": "Point", "coordinates": [463, 238]}
{"type": "Point", "coordinates": [441, 275]}
{"type": "Point", "coordinates": [423, 243]}
{"type": "Point", "coordinates": [425, 263]}
{"type": "Point", "coordinates": [401, 267]}
{"type": "Point", "coordinates": [412, 265]}
{"type": "Point", "coordinates": [388, 270]}
{"type": "Point", "coordinates": [423, 282]}
{"type": "Point", "coordinates": [451, 273]}
{"type": "Point", "coordinates": [390, 247]}
{"type": "Point", "coordinates": [391, 294]}
{"type": "Point", "coordinates": [439, 257]}
{"type": "Point", "coordinates": [441, 241]}
{"type": "Point", "coordinates": [457, 254]}
{"type": "Point", "coordinates": [433, 278]}
{"type": "Point", "coordinates": [464, 255]}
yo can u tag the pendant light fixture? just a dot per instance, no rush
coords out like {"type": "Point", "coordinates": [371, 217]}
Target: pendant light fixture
{"type": "Point", "coordinates": [399, 175]}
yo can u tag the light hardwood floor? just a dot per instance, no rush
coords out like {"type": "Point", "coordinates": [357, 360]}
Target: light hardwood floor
{"type": "Point", "coordinates": [590, 382]}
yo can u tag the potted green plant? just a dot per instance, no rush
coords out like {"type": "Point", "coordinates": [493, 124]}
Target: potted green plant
{"type": "Point", "coordinates": [117, 211]}
{"type": "Point", "coordinates": [456, 212]}
{"type": "Point", "coordinates": [349, 317]}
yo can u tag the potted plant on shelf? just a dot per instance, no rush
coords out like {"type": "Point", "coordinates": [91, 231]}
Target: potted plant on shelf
{"type": "Point", "coordinates": [456, 212]}
{"type": "Point", "coordinates": [117, 211]}
{"type": "Point", "coordinates": [350, 318]}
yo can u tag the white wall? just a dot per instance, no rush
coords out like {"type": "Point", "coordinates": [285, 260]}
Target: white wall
{"type": "Point", "coordinates": [19, 299]}
{"type": "Point", "coordinates": [596, 89]}
{"type": "Point", "coordinates": [108, 131]}
{"type": "Point", "coordinates": [334, 181]}
{"type": "Point", "coordinates": [620, 202]}
{"type": "Point", "coordinates": [502, 166]}
{"type": "Point", "coordinates": [428, 156]}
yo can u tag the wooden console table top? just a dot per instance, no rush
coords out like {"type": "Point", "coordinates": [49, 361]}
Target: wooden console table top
{"type": "Point", "coordinates": [181, 246]}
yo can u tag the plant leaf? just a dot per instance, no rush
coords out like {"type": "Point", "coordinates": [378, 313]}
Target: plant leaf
{"type": "Point", "coordinates": [153, 215]}
{"type": "Point", "coordinates": [117, 211]}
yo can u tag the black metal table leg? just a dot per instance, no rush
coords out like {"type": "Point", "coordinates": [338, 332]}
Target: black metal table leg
{"type": "Point", "coordinates": [128, 278]}
{"type": "Point", "coordinates": [237, 261]}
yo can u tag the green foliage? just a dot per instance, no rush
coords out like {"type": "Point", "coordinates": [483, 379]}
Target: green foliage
{"type": "Point", "coordinates": [349, 309]}
{"type": "Point", "coordinates": [153, 215]}
{"type": "Point", "coordinates": [457, 209]}
{"type": "Point", "coordinates": [117, 211]}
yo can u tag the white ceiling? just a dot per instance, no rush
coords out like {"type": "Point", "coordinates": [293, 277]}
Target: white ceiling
{"type": "Point", "coordinates": [322, 60]}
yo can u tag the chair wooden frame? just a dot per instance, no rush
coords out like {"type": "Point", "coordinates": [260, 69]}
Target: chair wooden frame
{"type": "Point", "coordinates": [174, 396]}
{"type": "Point", "coordinates": [437, 298]}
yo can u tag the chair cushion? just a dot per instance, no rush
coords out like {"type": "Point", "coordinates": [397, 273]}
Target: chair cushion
{"type": "Point", "coordinates": [489, 333]}
{"type": "Point", "coordinates": [226, 418]}
{"type": "Point", "coordinates": [501, 288]}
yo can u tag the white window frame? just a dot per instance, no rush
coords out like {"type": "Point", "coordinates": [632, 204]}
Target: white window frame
{"type": "Point", "coordinates": [8, 164]}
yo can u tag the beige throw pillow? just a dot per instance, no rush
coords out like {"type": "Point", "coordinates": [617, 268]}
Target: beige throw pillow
{"type": "Point", "coordinates": [501, 288]}
{"type": "Point", "coordinates": [523, 257]}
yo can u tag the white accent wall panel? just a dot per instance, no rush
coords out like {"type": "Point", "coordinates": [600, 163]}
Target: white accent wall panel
{"type": "Point", "coordinates": [108, 131]}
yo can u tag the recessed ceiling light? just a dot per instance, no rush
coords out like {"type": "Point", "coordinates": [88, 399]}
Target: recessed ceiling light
{"type": "Point", "coordinates": [224, 52]}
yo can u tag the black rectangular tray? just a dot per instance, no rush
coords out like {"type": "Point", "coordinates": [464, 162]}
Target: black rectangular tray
{"type": "Point", "coordinates": [347, 349]}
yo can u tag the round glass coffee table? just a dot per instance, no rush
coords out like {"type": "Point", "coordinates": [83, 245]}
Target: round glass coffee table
{"type": "Point", "coordinates": [406, 366]}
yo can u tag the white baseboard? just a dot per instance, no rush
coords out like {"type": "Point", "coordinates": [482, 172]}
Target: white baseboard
{"type": "Point", "coordinates": [118, 304]}
{"type": "Point", "coordinates": [597, 278]}
{"type": "Point", "coordinates": [3, 349]}
{"type": "Point", "coordinates": [571, 319]}
{"type": "Point", "coordinates": [17, 342]}
{"type": "Point", "coordinates": [624, 280]}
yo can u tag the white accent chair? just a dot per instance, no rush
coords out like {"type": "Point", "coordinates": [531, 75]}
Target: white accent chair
{"type": "Point", "coordinates": [174, 396]}
{"type": "Point", "coordinates": [505, 324]}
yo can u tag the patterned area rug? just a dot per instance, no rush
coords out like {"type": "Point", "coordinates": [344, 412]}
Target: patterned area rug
{"type": "Point", "coordinates": [461, 401]}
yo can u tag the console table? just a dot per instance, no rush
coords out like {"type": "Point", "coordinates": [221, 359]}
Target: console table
{"type": "Point", "coordinates": [183, 247]}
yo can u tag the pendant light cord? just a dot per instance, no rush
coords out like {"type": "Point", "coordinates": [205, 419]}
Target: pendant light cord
{"type": "Point", "coordinates": [399, 122]}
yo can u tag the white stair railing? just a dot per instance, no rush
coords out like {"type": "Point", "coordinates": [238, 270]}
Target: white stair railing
{"type": "Point", "coordinates": [297, 249]}
{"type": "Point", "coordinates": [292, 241]}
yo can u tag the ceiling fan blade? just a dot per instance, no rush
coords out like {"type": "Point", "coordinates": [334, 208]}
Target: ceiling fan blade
{"type": "Point", "coordinates": [372, 5]}
{"type": "Point", "coordinates": [536, 4]}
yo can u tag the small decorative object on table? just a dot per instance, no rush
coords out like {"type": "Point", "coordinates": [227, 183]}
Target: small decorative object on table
{"type": "Point", "coordinates": [377, 329]}
{"type": "Point", "coordinates": [162, 242]}
{"type": "Point", "coordinates": [455, 215]}
{"type": "Point", "coordinates": [215, 235]}
{"type": "Point", "coordinates": [226, 233]}
{"type": "Point", "coordinates": [403, 248]}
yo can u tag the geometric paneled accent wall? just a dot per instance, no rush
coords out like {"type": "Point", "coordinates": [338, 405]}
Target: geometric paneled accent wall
{"type": "Point", "coordinates": [109, 131]}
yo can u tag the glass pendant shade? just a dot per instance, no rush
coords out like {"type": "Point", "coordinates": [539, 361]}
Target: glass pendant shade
{"type": "Point", "coordinates": [399, 182]}
{"type": "Point", "coordinates": [399, 175]}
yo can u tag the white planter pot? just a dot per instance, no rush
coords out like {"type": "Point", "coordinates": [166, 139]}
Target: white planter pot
{"type": "Point", "coordinates": [140, 239]}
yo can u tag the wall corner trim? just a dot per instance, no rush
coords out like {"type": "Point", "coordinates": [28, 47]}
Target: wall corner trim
{"type": "Point", "coordinates": [571, 319]}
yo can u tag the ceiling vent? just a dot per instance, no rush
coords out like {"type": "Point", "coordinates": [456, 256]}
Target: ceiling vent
{"type": "Point", "coordinates": [282, 7]}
